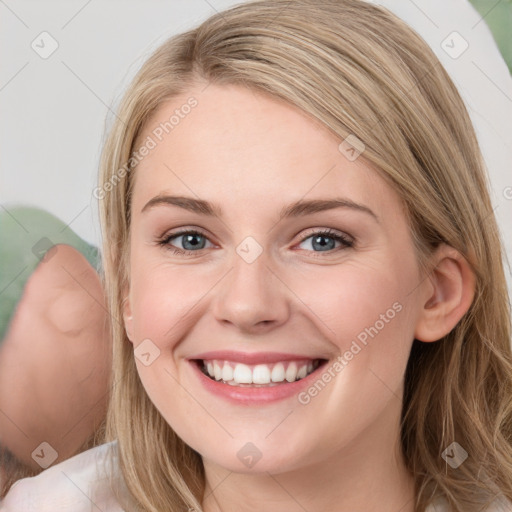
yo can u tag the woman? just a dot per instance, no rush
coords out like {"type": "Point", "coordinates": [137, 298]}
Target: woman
{"type": "Point", "coordinates": [301, 251]}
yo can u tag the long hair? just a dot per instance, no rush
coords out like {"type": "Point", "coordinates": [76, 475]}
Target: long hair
{"type": "Point", "coordinates": [359, 70]}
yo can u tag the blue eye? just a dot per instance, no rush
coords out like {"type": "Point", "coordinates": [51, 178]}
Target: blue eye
{"type": "Point", "coordinates": [325, 241]}
{"type": "Point", "coordinates": [193, 241]}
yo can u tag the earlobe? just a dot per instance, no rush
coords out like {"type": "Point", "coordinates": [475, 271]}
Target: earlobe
{"type": "Point", "coordinates": [449, 294]}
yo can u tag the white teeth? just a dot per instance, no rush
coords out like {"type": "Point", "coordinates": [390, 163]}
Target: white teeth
{"type": "Point", "coordinates": [260, 374]}
{"type": "Point", "coordinates": [291, 372]}
{"type": "Point", "coordinates": [242, 374]}
{"type": "Point", "coordinates": [303, 370]}
{"type": "Point", "coordinates": [227, 373]}
{"type": "Point", "coordinates": [217, 370]}
{"type": "Point", "coordinates": [278, 373]}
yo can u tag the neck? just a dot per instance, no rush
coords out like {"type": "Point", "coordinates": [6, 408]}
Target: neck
{"type": "Point", "coordinates": [368, 475]}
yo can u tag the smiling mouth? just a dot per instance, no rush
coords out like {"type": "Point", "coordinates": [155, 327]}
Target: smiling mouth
{"type": "Point", "coordinates": [258, 375]}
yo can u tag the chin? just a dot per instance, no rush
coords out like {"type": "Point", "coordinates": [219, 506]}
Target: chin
{"type": "Point", "coordinates": [255, 458]}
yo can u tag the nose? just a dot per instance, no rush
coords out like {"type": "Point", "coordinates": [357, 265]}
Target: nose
{"type": "Point", "coordinates": [252, 297]}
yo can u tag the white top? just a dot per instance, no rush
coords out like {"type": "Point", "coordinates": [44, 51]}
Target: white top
{"type": "Point", "coordinates": [78, 484]}
{"type": "Point", "coordinates": [82, 484]}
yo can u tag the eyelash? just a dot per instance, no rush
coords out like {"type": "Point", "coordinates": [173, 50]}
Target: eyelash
{"type": "Point", "coordinates": [345, 241]}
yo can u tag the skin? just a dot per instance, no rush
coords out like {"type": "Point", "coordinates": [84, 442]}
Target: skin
{"type": "Point", "coordinates": [55, 360]}
{"type": "Point", "coordinates": [253, 155]}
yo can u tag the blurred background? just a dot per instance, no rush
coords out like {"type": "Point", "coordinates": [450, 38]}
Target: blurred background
{"type": "Point", "coordinates": [498, 16]}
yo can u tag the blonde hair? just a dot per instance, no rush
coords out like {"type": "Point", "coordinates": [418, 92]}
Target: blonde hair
{"type": "Point", "coordinates": [359, 70]}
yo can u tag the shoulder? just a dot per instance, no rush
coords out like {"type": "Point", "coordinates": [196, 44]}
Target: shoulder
{"type": "Point", "coordinates": [78, 484]}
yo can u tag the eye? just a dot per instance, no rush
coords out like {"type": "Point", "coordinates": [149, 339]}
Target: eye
{"type": "Point", "coordinates": [325, 241]}
{"type": "Point", "coordinates": [191, 241]}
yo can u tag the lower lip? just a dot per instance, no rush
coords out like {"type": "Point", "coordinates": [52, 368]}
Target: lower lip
{"type": "Point", "coordinates": [254, 396]}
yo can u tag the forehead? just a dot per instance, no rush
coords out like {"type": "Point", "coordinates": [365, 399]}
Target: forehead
{"type": "Point", "coordinates": [244, 146]}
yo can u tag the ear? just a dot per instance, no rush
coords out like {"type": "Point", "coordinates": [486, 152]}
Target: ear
{"type": "Point", "coordinates": [449, 293]}
{"type": "Point", "coordinates": [127, 316]}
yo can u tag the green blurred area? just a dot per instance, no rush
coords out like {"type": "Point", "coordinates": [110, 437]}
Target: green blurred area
{"type": "Point", "coordinates": [498, 16]}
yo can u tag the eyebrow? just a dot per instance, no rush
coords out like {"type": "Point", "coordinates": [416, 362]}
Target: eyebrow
{"type": "Point", "coordinates": [297, 209]}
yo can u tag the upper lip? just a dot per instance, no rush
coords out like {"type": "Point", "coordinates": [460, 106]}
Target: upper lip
{"type": "Point", "coordinates": [252, 357]}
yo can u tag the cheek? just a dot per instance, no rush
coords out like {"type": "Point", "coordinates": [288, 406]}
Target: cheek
{"type": "Point", "coordinates": [350, 300]}
{"type": "Point", "coordinates": [165, 299]}
{"type": "Point", "coordinates": [371, 315]}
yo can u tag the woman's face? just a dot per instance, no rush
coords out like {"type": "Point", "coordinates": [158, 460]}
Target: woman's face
{"type": "Point", "coordinates": [277, 280]}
